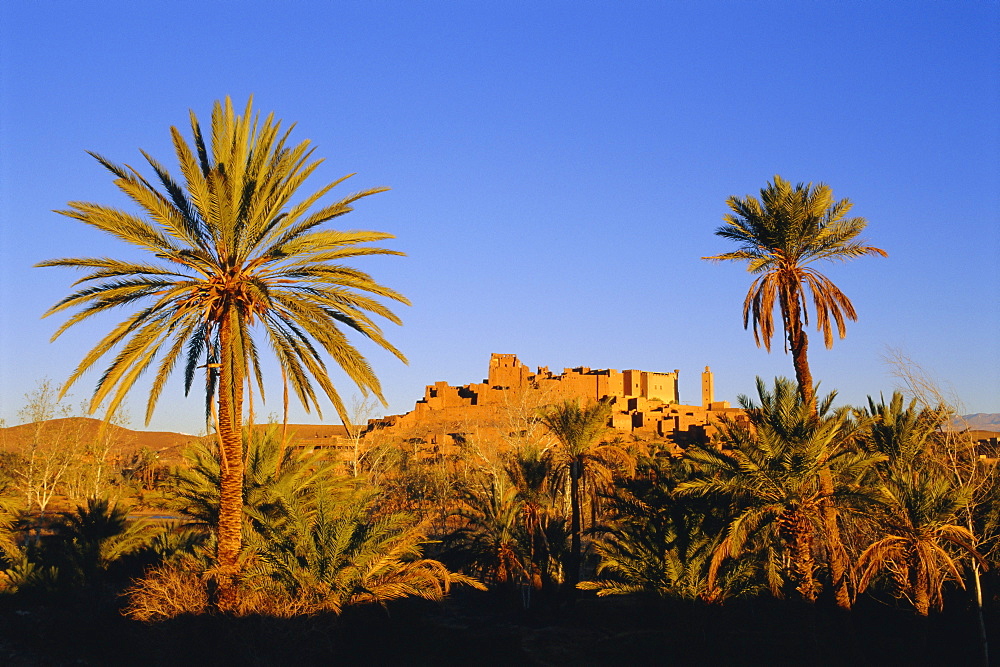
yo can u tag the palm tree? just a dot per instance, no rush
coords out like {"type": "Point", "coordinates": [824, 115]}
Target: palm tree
{"type": "Point", "coordinates": [917, 505]}
{"type": "Point", "coordinates": [530, 468]}
{"type": "Point", "coordinates": [779, 236]}
{"type": "Point", "coordinates": [96, 535]}
{"type": "Point", "coordinates": [901, 434]}
{"type": "Point", "coordinates": [916, 517]}
{"type": "Point", "coordinates": [348, 553]}
{"type": "Point", "coordinates": [769, 472]}
{"type": "Point", "coordinates": [493, 539]}
{"type": "Point", "coordinates": [656, 543]}
{"type": "Point", "coordinates": [581, 454]}
{"type": "Point", "coordinates": [238, 258]}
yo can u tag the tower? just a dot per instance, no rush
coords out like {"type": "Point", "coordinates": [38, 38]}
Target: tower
{"type": "Point", "coordinates": [506, 372]}
{"type": "Point", "coordinates": [707, 388]}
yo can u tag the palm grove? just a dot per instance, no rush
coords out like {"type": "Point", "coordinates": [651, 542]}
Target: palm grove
{"type": "Point", "coordinates": [797, 499]}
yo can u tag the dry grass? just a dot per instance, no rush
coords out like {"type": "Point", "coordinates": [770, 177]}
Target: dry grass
{"type": "Point", "coordinates": [170, 591]}
{"type": "Point", "coordinates": [166, 592]}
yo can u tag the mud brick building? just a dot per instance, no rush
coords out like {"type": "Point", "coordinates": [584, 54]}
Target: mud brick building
{"type": "Point", "coordinates": [645, 404]}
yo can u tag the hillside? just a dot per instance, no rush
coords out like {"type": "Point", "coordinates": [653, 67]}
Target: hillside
{"type": "Point", "coordinates": [981, 421]}
{"type": "Point", "coordinates": [80, 430]}
{"type": "Point", "coordinates": [167, 444]}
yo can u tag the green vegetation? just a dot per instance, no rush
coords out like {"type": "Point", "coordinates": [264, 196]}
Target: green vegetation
{"type": "Point", "coordinates": [793, 505]}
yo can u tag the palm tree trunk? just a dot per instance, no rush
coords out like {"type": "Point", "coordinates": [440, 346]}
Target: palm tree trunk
{"type": "Point", "coordinates": [797, 533]}
{"type": "Point", "coordinates": [573, 571]}
{"type": "Point", "coordinates": [921, 600]}
{"type": "Point", "coordinates": [230, 528]}
{"type": "Point", "coordinates": [835, 546]}
{"type": "Point", "coordinates": [798, 344]}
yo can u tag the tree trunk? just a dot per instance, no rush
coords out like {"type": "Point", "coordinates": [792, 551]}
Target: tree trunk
{"type": "Point", "coordinates": [230, 528]}
{"type": "Point", "coordinates": [798, 344]}
{"type": "Point", "coordinates": [921, 600]}
{"type": "Point", "coordinates": [575, 556]}
{"type": "Point", "coordinates": [797, 533]}
{"type": "Point", "coordinates": [977, 600]}
{"type": "Point", "coordinates": [835, 546]}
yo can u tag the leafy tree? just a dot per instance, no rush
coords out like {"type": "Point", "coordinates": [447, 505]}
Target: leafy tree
{"type": "Point", "coordinates": [52, 445]}
{"type": "Point", "coordinates": [242, 254]}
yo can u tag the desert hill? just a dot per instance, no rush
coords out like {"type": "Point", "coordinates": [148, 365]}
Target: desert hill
{"type": "Point", "coordinates": [73, 431]}
{"type": "Point", "coordinates": [169, 445]}
{"type": "Point", "coordinates": [126, 442]}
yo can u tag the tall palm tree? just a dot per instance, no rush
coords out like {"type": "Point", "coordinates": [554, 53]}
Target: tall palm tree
{"type": "Point", "coordinates": [242, 256]}
{"type": "Point", "coordinates": [779, 237]}
{"type": "Point", "coordinates": [582, 454]}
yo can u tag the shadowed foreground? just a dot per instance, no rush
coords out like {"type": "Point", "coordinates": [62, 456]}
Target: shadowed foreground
{"type": "Point", "coordinates": [478, 628]}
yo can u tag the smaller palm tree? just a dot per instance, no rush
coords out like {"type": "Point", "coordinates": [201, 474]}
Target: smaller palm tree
{"type": "Point", "coordinates": [531, 468]}
{"type": "Point", "coordinates": [583, 458]}
{"type": "Point", "coordinates": [901, 434]}
{"type": "Point", "coordinates": [917, 502]}
{"type": "Point", "coordinates": [919, 540]}
{"type": "Point", "coordinates": [347, 553]}
{"type": "Point", "coordinates": [93, 537]}
{"type": "Point", "coordinates": [769, 472]}
{"type": "Point", "coordinates": [653, 543]}
{"type": "Point", "coordinates": [493, 540]}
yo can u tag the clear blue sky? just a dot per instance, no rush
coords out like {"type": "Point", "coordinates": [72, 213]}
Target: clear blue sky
{"type": "Point", "coordinates": [557, 170]}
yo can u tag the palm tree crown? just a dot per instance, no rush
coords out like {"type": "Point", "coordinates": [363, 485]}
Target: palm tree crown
{"type": "Point", "coordinates": [237, 253]}
{"type": "Point", "coordinates": [779, 236]}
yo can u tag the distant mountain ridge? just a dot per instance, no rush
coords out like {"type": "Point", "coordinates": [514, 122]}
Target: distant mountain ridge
{"type": "Point", "coordinates": [980, 421]}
